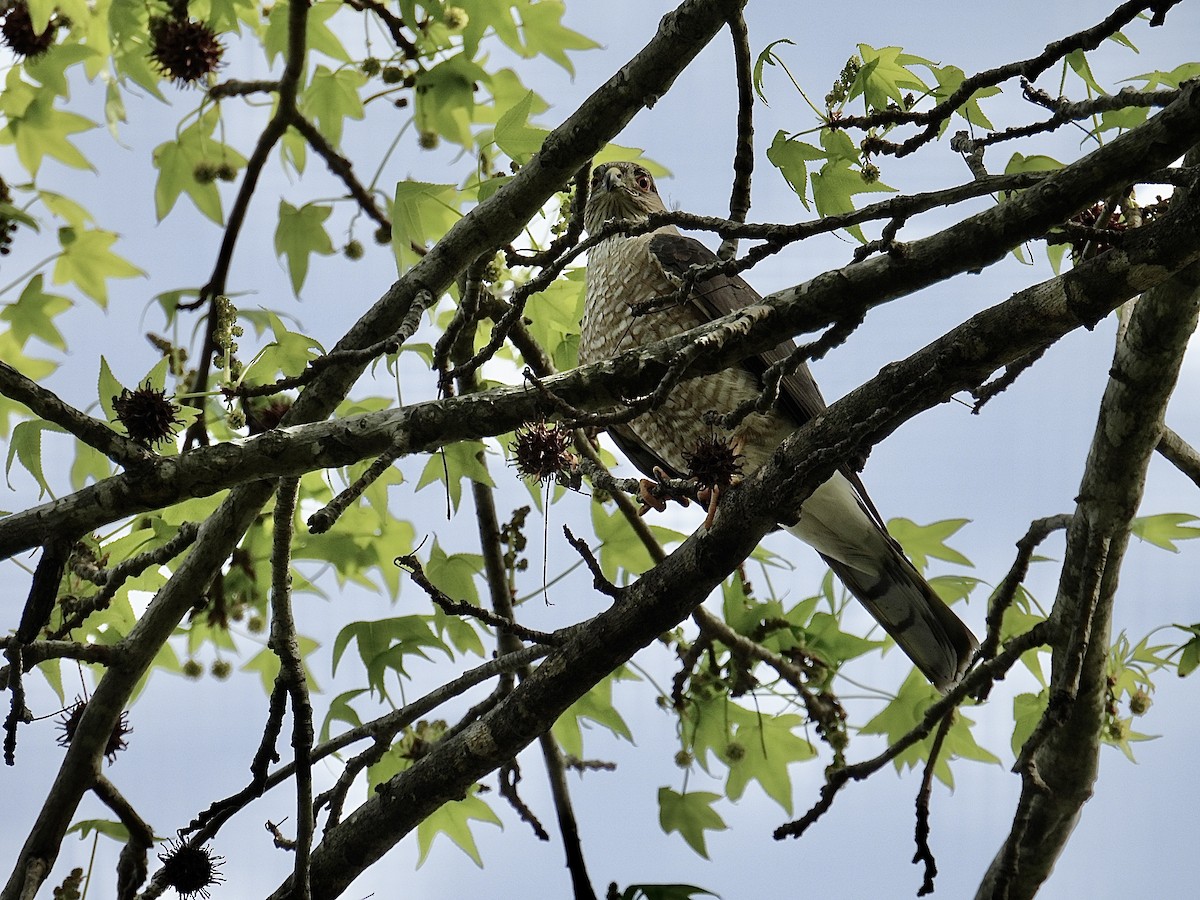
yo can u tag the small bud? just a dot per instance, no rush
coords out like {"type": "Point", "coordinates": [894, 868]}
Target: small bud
{"type": "Point", "coordinates": [1140, 703]}
{"type": "Point", "coordinates": [353, 250]}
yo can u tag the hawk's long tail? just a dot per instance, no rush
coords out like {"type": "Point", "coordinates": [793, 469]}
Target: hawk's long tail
{"type": "Point", "coordinates": [875, 570]}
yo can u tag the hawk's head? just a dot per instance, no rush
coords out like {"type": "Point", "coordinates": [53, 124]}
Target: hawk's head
{"type": "Point", "coordinates": [620, 190]}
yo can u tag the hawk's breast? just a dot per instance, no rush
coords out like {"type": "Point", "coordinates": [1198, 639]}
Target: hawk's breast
{"type": "Point", "coordinates": [622, 273]}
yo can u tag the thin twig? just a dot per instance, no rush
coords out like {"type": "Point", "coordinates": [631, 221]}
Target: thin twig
{"type": "Point", "coordinates": [285, 644]}
{"type": "Point", "coordinates": [989, 670]}
{"type": "Point", "coordinates": [743, 154]}
{"type": "Point", "coordinates": [1030, 68]}
{"type": "Point", "coordinates": [111, 580]}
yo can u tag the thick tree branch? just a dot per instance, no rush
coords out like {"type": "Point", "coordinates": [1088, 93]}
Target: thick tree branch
{"type": "Point", "coordinates": [1060, 761]}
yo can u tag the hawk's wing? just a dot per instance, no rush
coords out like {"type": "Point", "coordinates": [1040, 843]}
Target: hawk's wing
{"type": "Point", "coordinates": [721, 294]}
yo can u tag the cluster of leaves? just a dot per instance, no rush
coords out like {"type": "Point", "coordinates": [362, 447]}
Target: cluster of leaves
{"type": "Point", "coordinates": [431, 83]}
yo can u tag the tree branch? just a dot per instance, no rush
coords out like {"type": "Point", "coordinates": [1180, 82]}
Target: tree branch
{"type": "Point", "coordinates": [1060, 761]}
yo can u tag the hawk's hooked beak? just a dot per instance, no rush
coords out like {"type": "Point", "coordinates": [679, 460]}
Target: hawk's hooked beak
{"type": "Point", "coordinates": [611, 179]}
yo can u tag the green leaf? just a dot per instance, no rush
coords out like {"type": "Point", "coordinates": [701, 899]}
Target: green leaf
{"type": "Point", "coordinates": [546, 35]}
{"type": "Point", "coordinates": [761, 749]}
{"type": "Point", "coordinates": [827, 640]}
{"type": "Point", "coordinates": [89, 465]}
{"type": "Point", "coordinates": [457, 461]}
{"type": "Point", "coordinates": [36, 128]}
{"type": "Point", "coordinates": [1019, 163]}
{"type": "Point", "coordinates": [88, 263]}
{"type": "Point", "coordinates": [923, 541]}
{"type": "Point", "coordinates": [318, 34]}
{"type": "Point", "coordinates": [690, 814]}
{"type": "Point", "coordinates": [908, 708]}
{"type": "Point", "coordinates": [178, 161]}
{"type": "Point", "coordinates": [300, 233]}
{"type": "Point", "coordinates": [266, 664]}
{"type": "Point", "coordinates": [519, 140]}
{"type": "Point", "coordinates": [838, 181]}
{"type": "Point", "coordinates": [421, 213]}
{"type": "Point", "coordinates": [1078, 62]}
{"type": "Point", "coordinates": [383, 644]}
{"type": "Point", "coordinates": [445, 98]}
{"type": "Point", "coordinates": [340, 710]}
{"type": "Point", "coordinates": [107, 389]}
{"type": "Point", "coordinates": [885, 76]}
{"type": "Point", "coordinates": [768, 57]}
{"type": "Point", "coordinates": [331, 98]}
{"type": "Point", "coordinates": [33, 314]}
{"type": "Point", "coordinates": [290, 352]}
{"type": "Point", "coordinates": [791, 158]}
{"type": "Point", "coordinates": [50, 67]}
{"type": "Point", "coordinates": [26, 445]}
{"type": "Point", "coordinates": [949, 79]}
{"type": "Point", "coordinates": [109, 829]}
{"type": "Point", "coordinates": [1164, 529]}
{"type": "Point", "coordinates": [1172, 79]}
{"type": "Point", "coordinates": [622, 552]}
{"type": "Point", "coordinates": [1189, 659]}
{"type": "Point", "coordinates": [455, 574]}
{"type": "Point", "coordinates": [51, 670]}
{"type": "Point", "coordinates": [595, 706]}
{"type": "Point", "coordinates": [1027, 712]}
{"type": "Point", "coordinates": [453, 819]}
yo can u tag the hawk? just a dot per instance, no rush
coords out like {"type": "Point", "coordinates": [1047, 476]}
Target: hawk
{"type": "Point", "coordinates": [838, 520]}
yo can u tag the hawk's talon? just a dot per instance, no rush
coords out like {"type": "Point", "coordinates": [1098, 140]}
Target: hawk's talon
{"type": "Point", "coordinates": [648, 498]}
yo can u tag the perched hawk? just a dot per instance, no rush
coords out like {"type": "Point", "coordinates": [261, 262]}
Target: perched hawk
{"type": "Point", "coordinates": [838, 520]}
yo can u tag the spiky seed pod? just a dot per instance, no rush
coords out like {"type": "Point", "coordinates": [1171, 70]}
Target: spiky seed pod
{"type": "Point", "coordinates": [541, 451]}
{"type": "Point", "coordinates": [17, 30]}
{"type": "Point", "coordinates": [191, 871]}
{"type": "Point", "coordinates": [147, 414]}
{"type": "Point", "coordinates": [7, 226]}
{"type": "Point", "coordinates": [184, 50]}
{"type": "Point", "coordinates": [1091, 218]}
{"type": "Point", "coordinates": [69, 723]}
{"type": "Point", "coordinates": [713, 463]}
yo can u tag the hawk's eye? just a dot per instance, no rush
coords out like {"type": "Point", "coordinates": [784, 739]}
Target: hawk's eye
{"type": "Point", "coordinates": [645, 182]}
